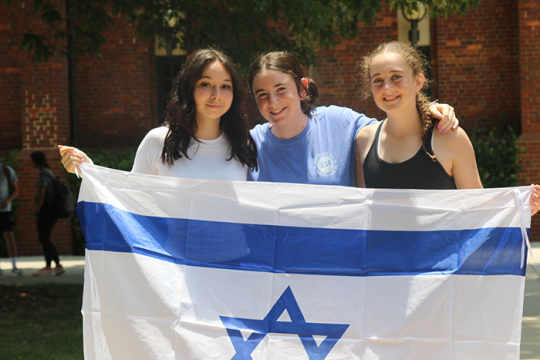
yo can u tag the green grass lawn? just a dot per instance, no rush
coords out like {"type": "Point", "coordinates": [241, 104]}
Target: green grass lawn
{"type": "Point", "coordinates": [41, 322]}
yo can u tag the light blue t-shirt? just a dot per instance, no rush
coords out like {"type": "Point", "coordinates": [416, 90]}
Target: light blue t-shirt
{"type": "Point", "coordinates": [323, 153]}
{"type": "Point", "coordinates": [4, 185]}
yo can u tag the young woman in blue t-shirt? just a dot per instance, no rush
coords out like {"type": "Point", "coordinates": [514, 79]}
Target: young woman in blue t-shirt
{"type": "Point", "coordinates": [302, 144]}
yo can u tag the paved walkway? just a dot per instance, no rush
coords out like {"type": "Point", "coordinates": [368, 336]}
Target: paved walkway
{"type": "Point", "coordinates": [74, 265]}
{"type": "Point", "coordinates": [74, 274]}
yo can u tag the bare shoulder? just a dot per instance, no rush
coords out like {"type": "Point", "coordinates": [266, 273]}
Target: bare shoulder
{"type": "Point", "coordinates": [366, 133]}
{"type": "Point", "coordinates": [364, 138]}
{"type": "Point", "coordinates": [453, 139]}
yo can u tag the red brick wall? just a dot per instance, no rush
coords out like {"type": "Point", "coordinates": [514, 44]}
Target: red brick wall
{"type": "Point", "coordinates": [529, 76]}
{"type": "Point", "coordinates": [116, 105]}
{"type": "Point", "coordinates": [335, 74]}
{"type": "Point", "coordinates": [478, 64]}
{"type": "Point", "coordinates": [10, 111]}
{"type": "Point", "coordinates": [35, 97]}
{"type": "Point", "coordinates": [116, 94]}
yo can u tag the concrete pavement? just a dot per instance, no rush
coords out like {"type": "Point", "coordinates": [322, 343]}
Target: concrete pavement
{"type": "Point", "coordinates": [74, 265]}
{"type": "Point", "coordinates": [74, 274]}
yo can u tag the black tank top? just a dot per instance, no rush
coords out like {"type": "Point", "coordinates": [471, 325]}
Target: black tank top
{"type": "Point", "coordinates": [419, 172]}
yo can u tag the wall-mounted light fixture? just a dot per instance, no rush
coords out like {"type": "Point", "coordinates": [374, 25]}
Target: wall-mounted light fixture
{"type": "Point", "coordinates": [414, 17]}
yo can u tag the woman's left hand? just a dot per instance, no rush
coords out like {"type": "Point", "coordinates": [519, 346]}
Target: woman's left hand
{"type": "Point", "coordinates": [445, 114]}
{"type": "Point", "coordinates": [535, 200]}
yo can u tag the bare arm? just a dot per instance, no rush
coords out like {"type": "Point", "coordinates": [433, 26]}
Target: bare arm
{"type": "Point", "coordinates": [13, 196]}
{"type": "Point", "coordinates": [358, 169]}
{"type": "Point", "coordinates": [364, 138]}
{"type": "Point", "coordinates": [463, 161]}
{"type": "Point", "coordinates": [465, 171]}
{"type": "Point", "coordinates": [40, 199]}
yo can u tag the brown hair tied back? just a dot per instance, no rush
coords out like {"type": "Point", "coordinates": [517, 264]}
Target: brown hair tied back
{"type": "Point", "coordinates": [419, 64]}
{"type": "Point", "coordinates": [39, 158]}
{"type": "Point", "coordinates": [288, 64]}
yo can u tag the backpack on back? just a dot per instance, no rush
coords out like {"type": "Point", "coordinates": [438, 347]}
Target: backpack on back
{"type": "Point", "coordinates": [63, 202]}
{"type": "Point", "coordinates": [11, 188]}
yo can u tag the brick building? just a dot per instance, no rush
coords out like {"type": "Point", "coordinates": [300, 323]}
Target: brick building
{"type": "Point", "coordinates": [486, 62]}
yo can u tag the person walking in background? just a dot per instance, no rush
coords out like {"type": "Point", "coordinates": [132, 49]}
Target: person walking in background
{"type": "Point", "coordinates": [45, 215]}
{"type": "Point", "coordinates": [9, 190]}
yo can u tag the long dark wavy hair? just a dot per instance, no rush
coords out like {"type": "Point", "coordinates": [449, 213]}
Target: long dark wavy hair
{"type": "Point", "coordinates": [288, 64]}
{"type": "Point", "coordinates": [181, 112]}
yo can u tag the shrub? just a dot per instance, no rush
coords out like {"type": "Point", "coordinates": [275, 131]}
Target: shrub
{"type": "Point", "coordinates": [497, 155]}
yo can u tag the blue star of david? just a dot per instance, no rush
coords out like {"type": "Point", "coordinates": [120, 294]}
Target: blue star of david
{"type": "Point", "coordinates": [269, 324]}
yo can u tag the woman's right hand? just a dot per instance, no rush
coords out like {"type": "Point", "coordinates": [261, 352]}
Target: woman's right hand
{"type": "Point", "coordinates": [72, 157]}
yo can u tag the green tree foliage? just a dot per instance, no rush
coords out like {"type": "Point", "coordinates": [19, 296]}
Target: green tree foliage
{"type": "Point", "coordinates": [242, 28]}
{"type": "Point", "coordinates": [10, 158]}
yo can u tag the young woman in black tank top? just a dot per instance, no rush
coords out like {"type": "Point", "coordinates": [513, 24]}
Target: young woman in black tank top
{"type": "Point", "coordinates": [407, 151]}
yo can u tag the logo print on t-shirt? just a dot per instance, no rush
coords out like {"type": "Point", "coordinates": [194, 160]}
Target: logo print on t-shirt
{"type": "Point", "coordinates": [325, 164]}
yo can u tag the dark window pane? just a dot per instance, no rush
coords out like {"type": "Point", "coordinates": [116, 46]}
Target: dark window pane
{"type": "Point", "coordinates": [426, 50]}
{"type": "Point", "coordinates": [167, 67]}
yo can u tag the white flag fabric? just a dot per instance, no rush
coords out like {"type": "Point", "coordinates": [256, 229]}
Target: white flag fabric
{"type": "Point", "coordinates": [196, 269]}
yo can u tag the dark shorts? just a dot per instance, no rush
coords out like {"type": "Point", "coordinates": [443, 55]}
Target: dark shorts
{"type": "Point", "coordinates": [6, 221]}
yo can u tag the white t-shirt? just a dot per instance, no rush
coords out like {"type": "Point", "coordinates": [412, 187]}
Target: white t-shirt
{"type": "Point", "coordinates": [208, 159]}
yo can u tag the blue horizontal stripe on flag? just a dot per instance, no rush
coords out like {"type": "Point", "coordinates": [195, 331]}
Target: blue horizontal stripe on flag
{"type": "Point", "coordinates": [301, 250]}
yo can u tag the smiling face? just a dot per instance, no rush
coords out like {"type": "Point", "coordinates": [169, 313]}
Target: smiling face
{"type": "Point", "coordinates": [278, 100]}
{"type": "Point", "coordinates": [213, 93]}
{"type": "Point", "coordinates": [393, 83]}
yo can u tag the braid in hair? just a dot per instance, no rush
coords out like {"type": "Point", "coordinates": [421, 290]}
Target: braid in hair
{"type": "Point", "coordinates": [422, 105]}
{"type": "Point", "coordinates": [418, 63]}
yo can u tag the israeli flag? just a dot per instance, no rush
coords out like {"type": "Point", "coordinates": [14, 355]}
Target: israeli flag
{"type": "Point", "coordinates": [196, 269]}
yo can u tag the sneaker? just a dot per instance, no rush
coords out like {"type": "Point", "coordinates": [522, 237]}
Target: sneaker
{"type": "Point", "coordinates": [46, 271]}
{"type": "Point", "coordinates": [16, 272]}
{"type": "Point", "coordinates": [58, 270]}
